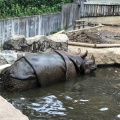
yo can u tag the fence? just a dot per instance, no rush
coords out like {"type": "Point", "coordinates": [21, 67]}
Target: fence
{"type": "Point", "coordinates": [79, 9]}
{"type": "Point", "coordinates": [98, 10]}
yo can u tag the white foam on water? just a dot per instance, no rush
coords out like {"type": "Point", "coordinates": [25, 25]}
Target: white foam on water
{"type": "Point", "coordinates": [118, 115]}
{"type": "Point", "coordinates": [84, 100]}
{"type": "Point", "coordinates": [68, 97]}
{"type": "Point", "coordinates": [103, 109]}
{"type": "Point", "coordinates": [71, 108]}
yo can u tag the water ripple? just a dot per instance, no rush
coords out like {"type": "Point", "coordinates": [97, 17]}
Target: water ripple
{"type": "Point", "coordinates": [41, 107]}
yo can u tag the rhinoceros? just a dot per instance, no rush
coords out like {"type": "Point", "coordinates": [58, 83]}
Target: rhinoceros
{"type": "Point", "coordinates": [39, 70]}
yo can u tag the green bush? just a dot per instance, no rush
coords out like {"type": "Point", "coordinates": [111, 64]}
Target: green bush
{"type": "Point", "coordinates": [17, 8]}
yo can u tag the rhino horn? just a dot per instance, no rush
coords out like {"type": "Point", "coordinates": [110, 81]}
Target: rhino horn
{"type": "Point", "coordinates": [84, 54]}
{"type": "Point", "coordinates": [92, 59]}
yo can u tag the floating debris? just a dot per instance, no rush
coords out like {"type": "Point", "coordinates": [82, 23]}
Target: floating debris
{"type": "Point", "coordinates": [84, 100]}
{"type": "Point", "coordinates": [22, 98]}
{"type": "Point", "coordinates": [36, 104]}
{"type": "Point", "coordinates": [103, 109]}
{"type": "Point", "coordinates": [71, 108]}
{"type": "Point", "coordinates": [68, 98]}
{"type": "Point", "coordinates": [118, 115]}
{"type": "Point", "coordinates": [75, 101]}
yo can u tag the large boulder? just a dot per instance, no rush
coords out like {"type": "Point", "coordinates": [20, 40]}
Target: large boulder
{"type": "Point", "coordinates": [10, 56]}
{"type": "Point", "coordinates": [37, 43]}
{"type": "Point", "coordinates": [37, 38]}
{"type": "Point", "coordinates": [103, 56]}
{"type": "Point", "coordinates": [43, 43]}
{"type": "Point", "coordinates": [9, 112]}
{"type": "Point", "coordinates": [59, 41]}
{"type": "Point", "coordinates": [2, 60]}
{"type": "Point", "coordinates": [14, 42]}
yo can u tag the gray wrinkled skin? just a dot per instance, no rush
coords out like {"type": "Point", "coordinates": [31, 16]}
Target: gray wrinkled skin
{"type": "Point", "coordinates": [45, 69]}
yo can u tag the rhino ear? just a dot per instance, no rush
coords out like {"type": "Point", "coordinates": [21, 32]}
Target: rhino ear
{"type": "Point", "coordinates": [92, 59]}
{"type": "Point", "coordinates": [84, 55]}
{"type": "Point", "coordinates": [79, 51]}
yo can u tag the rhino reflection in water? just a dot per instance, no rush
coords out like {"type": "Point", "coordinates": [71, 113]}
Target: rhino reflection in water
{"type": "Point", "coordinates": [38, 70]}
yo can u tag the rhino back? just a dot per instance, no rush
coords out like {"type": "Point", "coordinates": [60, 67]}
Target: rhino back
{"type": "Point", "coordinates": [49, 68]}
{"type": "Point", "coordinates": [21, 70]}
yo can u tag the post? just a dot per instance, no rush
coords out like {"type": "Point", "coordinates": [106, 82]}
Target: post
{"type": "Point", "coordinates": [0, 44]}
{"type": "Point", "coordinates": [81, 5]}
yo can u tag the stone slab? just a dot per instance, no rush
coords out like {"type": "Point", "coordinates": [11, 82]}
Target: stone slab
{"type": "Point", "coordinates": [10, 56]}
{"type": "Point", "coordinates": [9, 112]}
{"type": "Point", "coordinates": [4, 66]}
{"type": "Point", "coordinates": [104, 56]}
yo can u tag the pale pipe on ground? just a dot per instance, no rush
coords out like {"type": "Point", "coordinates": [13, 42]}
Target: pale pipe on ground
{"type": "Point", "coordinates": [93, 45]}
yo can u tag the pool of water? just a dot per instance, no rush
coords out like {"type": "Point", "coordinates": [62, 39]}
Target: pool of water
{"type": "Point", "coordinates": [91, 97]}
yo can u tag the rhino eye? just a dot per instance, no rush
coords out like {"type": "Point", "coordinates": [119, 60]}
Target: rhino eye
{"type": "Point", "coordinates": [86, 65]}
{"type": "Point", "coordinates": [90, 63]}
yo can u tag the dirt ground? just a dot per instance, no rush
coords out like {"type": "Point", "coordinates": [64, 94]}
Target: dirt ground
{"type": "Point", "coordinates": [101, 35]}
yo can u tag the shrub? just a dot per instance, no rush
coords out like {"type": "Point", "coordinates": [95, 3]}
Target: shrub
{"type": "Point", "coordinates": [17, 8]}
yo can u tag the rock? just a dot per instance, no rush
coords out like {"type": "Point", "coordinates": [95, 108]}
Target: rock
{"type": "Point", "coordinates": [10, 56]}
{"type": "Point", "coordinates": [37, 38]}
{"type": "Point", "coordinates": [104, 56]}
{"type": "Point", "coordinates": [38, 43]}
{"type": "Point", "coordinates": [9, 112]}
{"type": "Point", "coordinates": [2, 60]}
{"type": "Point", "coordinates": [58, 37]}
{"type": "Point", "coordinates": [2, 67]}
{"type": "Point", "coordinates": [77, 87]}
{"type": "Point", "coordinates": [59, 41]}
{"type": "Point", "coordinates": [14, 42]}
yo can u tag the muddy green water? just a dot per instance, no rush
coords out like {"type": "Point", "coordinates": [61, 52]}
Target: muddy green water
{"type": "Point", "coordinates": [91, 97]}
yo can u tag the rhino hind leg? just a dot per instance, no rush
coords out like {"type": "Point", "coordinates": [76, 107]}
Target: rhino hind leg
{"type": "Point", "coordinates": [13, 84]}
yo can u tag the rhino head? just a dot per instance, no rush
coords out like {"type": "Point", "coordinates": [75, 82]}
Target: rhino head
{"type": "Point", "coordinates": [84, 66]}
{"type": "Point", "coordinates": [90, 65]}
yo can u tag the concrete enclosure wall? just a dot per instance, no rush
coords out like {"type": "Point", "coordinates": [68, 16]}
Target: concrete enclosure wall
{"type": "Point", "coordinates": [30, 26]}
{"type": "Point", "coordinates": [103, 20]}
{"type": "Point", "coordinates": [70, 12]}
